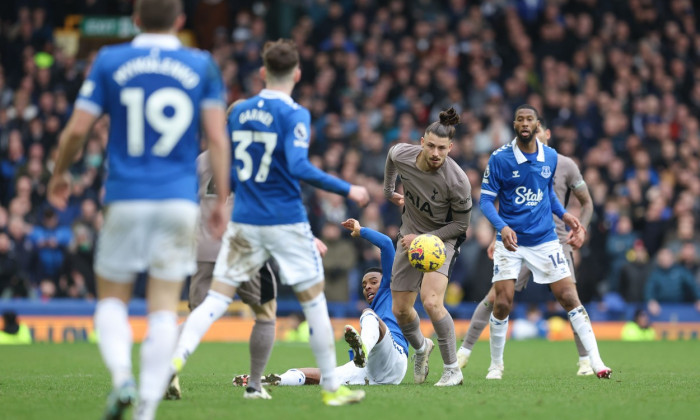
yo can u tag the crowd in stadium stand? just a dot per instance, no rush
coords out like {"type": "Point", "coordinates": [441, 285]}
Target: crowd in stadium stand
{"type": "Point", "coordinates": [617, 82]}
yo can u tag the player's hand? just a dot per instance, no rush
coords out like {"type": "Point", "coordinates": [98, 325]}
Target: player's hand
{"type": "Point", "coordinates": [322, 248]}
{"type": "Point", "coordinates": [509, 238]}
{"type": "Point", "coordinates": [353, 226]}
{"type": "Point", "coordinates": [406, 241]}
{"type": "Point", "coordinates": [654, 307]}
{"type": "Point", "coordinates": [576, 238]}
{"type": "Point", "coordinates": [397, 199]}
{"type": "Point", "coordinates": [491, 248]}
{"type": "Point", "coordinates": [359, 195]}
{"type": "Point", "coordinates": [218, 220]}
{"type": "Point", "coordinates": [59, 190]}
{"type": "Point", "coordinates": [571, 221]}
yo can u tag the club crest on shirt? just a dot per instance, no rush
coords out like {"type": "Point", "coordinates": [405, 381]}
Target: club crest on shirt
{"type": "Point", "coordinates": [546, 172]}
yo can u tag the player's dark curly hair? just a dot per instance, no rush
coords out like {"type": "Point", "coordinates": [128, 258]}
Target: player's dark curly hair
{"type": "Point", "coordinates": [527, 106]}
{"type": "Point", "coordinates": [372, 270]}
{"type": "Point", "coordinates": [446, 126]}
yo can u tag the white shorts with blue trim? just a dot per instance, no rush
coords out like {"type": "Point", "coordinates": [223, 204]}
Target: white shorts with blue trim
{"type": "Point", "coordinates": [386, 365]}
{"type": "Point", "coordinates": [546, 261]}
{"type": "Point", "coordinates": [245, 249]}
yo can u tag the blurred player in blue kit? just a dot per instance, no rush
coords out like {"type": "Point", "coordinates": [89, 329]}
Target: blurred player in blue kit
{"type": "Point", "coordinates": [157, 95]}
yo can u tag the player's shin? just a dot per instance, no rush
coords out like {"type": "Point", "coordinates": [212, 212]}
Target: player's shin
{"type": "Point", "coordinates": [445, 331]}
{"type": "Point", "coordinates": [414, 335]}
{"type": "Point", "coordinates": [155, 363]}
{"type": "Point", "coordinates": [370, 331]}
{"type": "Point", "coordinates": [321, 339]}
{"type": "Point", "coordinates": [499, 329]}
{"type": "Point", "coordinates": [479, 321]}
{"type": "Point", "coordinates": [115, 339]}
{"type": "Point", "coordinates": [262, 338]}
{"type": "Point", "coordinates": [197, 324]}
{"type": "Point", "coordinates": [582, 325]}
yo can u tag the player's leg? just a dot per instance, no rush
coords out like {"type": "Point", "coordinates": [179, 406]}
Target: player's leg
{"type": "Point", "coordinates": [239, 249]}
{"type": "Point", "coordinates": [260, 293]}
{"type": "Point", "coordinates": [549, 267]}
{"type": "Point", "coordinates": [387, 362]}
{"type": "Point", "coordinates": [120, 255]}
{"type": "Point", "coordinates": [584, 362]}
{"type": "Point", "coordinates": [294, 249]}
{"type": "Point", "coordinates": [372, 330]}
{"type": "Point", "coordinates": [171, 258]}
{"type": "Point", "coordinates": [405, 285]}
{"type": "Point", "coordinates": [432, 294]}
{"type": "Point", "coordinates": [477, 324]}
{"type": "Point", "coordinates": [506, 269]}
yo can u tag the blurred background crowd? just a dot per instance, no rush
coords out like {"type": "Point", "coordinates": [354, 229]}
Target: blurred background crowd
{"type": "Point", "coordinates": [617, 81]}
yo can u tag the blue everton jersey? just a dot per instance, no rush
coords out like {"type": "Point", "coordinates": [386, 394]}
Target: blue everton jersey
{"type": "Point", "coordinates": [153, 91]}
{"type": "Point", "coordinates": [381, 304]}
{"type": "Point", "coordinates": [270, 134]}
{"type": "Point", "coordinates": [524, 190]}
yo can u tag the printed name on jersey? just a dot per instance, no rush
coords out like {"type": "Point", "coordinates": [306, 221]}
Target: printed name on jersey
{"type": "Point", "coordinates": [152, 64]}
{"type": "Point", "coordinates": [546, 172]}
{"type": "Point", "coordinates": [527, 196]}
{"type": "Point", "coordinates": [258, 115]}
{"type": "Point", "coordinates": [415, 200]}
{"type": "Point", "coordinates": [301, 136]}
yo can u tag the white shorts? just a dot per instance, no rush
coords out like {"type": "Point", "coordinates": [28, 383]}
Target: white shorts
{"type": "Point", "coordinates": [386, 365]}
{"type": "Point", "coordinates": [245, 249]}
{"type": "Point", "coordinates": [146, 235]}
{"type": "Point", "coordinates": [546, 261]}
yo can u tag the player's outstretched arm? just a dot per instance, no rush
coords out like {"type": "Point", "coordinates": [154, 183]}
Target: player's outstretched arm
{"type": "Point", "coordinates": [377, 239]}
{"type": "Point", "coordinates": [70, 143]}
{"type": "Point", "coordinates": [390, 173]}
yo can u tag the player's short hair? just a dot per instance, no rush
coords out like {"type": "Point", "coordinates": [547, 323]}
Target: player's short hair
{"type": "Point", "coordinates": [445, 127]}
{"type": "Point", "coordinates": [543, 123]}
{"type": "Point", "coordinates": [158, 15]}
{"type": "Point", "coordinates": [527, 106]}
{"type": "Point", "coordinates": [372, 270]}
{"type": "Point", "coordinates": [280, 57]}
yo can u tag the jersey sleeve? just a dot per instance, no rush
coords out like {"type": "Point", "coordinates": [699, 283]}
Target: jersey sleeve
{"type": "Point", "coordinates": [93, 92]}
{"type": "Point", "coordinates": [390, 172]}
{"type": "Point", "coordinates": [490, 184]}
{"type": "Point", "coordinates": [387, 251]}
{"type": "Point", "coordinates": [296, 147]}
{"type": "Point", "coordinates": [214, 93]}
{"type": "Point", "coordinates": [574, 179]}
{"type": "Point", "coordinates": [556, 206]}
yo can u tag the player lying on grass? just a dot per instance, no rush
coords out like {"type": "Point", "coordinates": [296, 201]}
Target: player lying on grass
{"type": "Point", "coordinates": [380, 348]}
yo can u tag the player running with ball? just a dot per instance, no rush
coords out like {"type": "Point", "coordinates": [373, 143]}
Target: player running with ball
{"type": "Point", "coordinates": [519, 174]}
{"type": "Point", "coordinates": [438, 201]}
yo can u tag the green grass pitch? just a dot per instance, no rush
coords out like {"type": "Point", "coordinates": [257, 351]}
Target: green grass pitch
{"type": "Point", "coordinates": [658, 380]}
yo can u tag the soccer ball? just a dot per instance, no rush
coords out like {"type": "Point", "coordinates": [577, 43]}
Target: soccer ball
{"type": "Point", "coordinates": [426, 253]}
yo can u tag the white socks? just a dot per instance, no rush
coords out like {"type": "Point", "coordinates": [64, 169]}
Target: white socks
{"type": "Point", "coordinates": [115, 340]}
{"type": "Point", "coordinates": [582, 325]}
{"type": "Point", "coordinates": [292, 377]}
{"type": "Point", "coordinates": [198, 323]}
{"type": "Point", "coordinates": [499, 330]}
{"type": "Point", "coordinates": [369, 331]}
{"type": "Point", "coordinates": [322, 340]}
{"type": "Point", "coordinates": [156, 350]}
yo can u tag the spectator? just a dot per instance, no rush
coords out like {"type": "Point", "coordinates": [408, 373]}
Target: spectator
{"type": "Point", "coordinates": [340, 258]}
{"type": "Point", "coordinates": [639, 329]}
{"type": "Point", "coordinates": [670, 282]}
{"type": "Point", "coordinates": [50, 243]}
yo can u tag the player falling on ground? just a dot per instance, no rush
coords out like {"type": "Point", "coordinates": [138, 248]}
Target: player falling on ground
{"type": "Point", "coordinates": [520, 175]}
{"type": "Point", "coordinates": [271, 139]}
{"type": "Point", "coordinates": [381, 351]}
{"type": "Point", "coordinates": [437, 200]}
{"type": "Point", "coordinates": [567, 180]}
{"type": "Point", "coordinates": [157, 94]}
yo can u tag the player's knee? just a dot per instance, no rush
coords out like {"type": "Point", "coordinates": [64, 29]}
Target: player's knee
{"type": "Point", "coordinates": [432, 304]}
{"type": "Point", "coordinates": [502, 304]}
{"type": "Point", "coordinates": [402, 315]}
{"type": "Point", "coordinates": [569, 299]}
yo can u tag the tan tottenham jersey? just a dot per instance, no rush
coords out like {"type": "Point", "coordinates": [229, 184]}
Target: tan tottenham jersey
{"type": "Point", "coordinates": [432, 199]}
{"type": "Point", "coordinates": [567, 177]}
{"type": "Point", "coordinates": [207, 247]}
